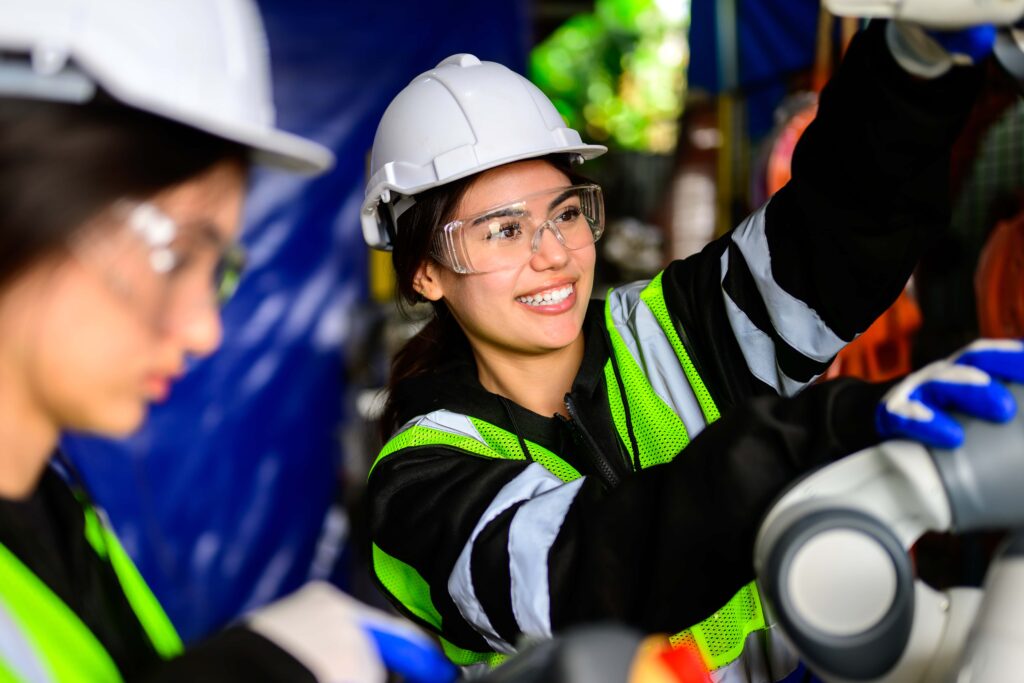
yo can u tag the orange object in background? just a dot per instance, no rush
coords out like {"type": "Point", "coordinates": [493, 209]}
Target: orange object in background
{"type": "Point", "coordinates": [657, 661]}
{"type": "Point", "coordinates": [883, 351]}
{"type": "Point", "coordinates": [780, 158]}
{"type": "Point", "coordinates": [999, 281]}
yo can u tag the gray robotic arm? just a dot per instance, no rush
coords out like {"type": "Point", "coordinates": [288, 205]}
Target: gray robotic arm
{"type": "Point", "coordinates": [833, 566]}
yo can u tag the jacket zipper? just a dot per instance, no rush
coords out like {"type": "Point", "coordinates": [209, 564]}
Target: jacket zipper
{"type": "Point", "coordinates": [593, 452]}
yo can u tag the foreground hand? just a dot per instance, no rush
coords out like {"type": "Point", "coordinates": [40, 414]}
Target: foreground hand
{"type": "Point", "coordinates": [341, 640]}
{"type": "Point", "coordinates": [915, 407]}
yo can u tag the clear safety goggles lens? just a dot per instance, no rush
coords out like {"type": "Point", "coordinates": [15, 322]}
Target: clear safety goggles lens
{"type": "Point", "coordinates": [175, 250]}
{"type": "Point", "coordinates": [159, 266]}
{"type": "Point", "coordinates": [507, 236]}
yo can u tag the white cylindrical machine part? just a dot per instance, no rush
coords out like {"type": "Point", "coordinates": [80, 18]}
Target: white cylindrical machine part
{"type": "Point", "coordinates": [842, 582]}
{"type": "Point", "coordinates": [995, 647]}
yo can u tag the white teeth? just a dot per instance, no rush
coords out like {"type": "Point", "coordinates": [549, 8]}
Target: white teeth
{"type": "Point", "coordinates": [553, 296]}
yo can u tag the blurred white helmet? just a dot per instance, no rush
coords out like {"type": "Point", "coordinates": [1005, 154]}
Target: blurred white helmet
{"type": "Point", "coordinates": [203, 63]}
{"type": "Point", "coordinates": [463, 117]}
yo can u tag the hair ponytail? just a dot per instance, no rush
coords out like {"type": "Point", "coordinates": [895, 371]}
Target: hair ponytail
{"type": "Point", "coordinates": [423, 352]}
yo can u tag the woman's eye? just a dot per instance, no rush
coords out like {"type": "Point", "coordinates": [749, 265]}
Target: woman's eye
{"type": "Point", "coordinates": [569, 214]}
{"type": "Point", "coordinates": [181, 262]}
{"type": "Point", "coordinates": [504, 231]}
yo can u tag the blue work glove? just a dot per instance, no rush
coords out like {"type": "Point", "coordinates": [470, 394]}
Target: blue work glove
{"type": "Point", "coordinates": [915, 407]}
{"type": "Point", "coordinates": [929, 53]}
{"type": "Point", "coordinates": [341, 640]}
{"type": "Point", "coordinates": [407, 651]}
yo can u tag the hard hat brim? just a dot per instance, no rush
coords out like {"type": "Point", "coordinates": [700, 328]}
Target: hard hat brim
{"type": "Point", "coordinates": [270, 147]}
{"type": "Point", "coordinates": [374, 234]}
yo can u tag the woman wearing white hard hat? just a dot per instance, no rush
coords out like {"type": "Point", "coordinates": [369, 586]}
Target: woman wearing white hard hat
{"type": "Point", "coordinates": [126, 132]}
{"type": "Point", "coordinates": [530, 479]}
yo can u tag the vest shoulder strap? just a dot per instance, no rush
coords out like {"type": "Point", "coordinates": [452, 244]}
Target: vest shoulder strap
{"type": "Point", "coordinates": [59, 640]}
{"type": "Point", "coordinates": [474, 436]}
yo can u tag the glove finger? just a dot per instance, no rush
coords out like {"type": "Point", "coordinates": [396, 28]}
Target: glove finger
{"type": "Point", "coordinates": [940, 431]}
{"type": "Point", "coordinates": [976, 42]}
{"type": "Point", "coordinates": [1001, 358]}
{"type": "Point", "coordinates": [991, 401]}
{"type": "Point", "coordinates": [416, 660]}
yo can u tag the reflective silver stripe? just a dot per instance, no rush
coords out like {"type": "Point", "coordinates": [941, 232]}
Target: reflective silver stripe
{"type": "Point", "coordinates": [532, 533]}
{"type": "Point", "coordinates": [766, 658]}
{"type": "Point", "coordinates": [17, 653]}
{"type": "Point", "coordinates": [653, 352]}
{"type": "Point", "coordinates": [797, 323]}
{"type": "Point", "coordinates": [757, 347]}
{"type": "Point", "coordinates": [531, 482]}
{"type": "Point", "coordinates": [445, 421]}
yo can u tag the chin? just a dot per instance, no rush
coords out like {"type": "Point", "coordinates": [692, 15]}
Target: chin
{"type": "Point", "coordinates": [117, 423]}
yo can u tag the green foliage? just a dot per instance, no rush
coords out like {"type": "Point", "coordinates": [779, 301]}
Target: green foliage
{"type": "Point", "coordinates": [618, 75]}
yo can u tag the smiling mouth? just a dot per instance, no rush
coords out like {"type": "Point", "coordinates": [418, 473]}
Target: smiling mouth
{"type": "Point", "coordinates": [551, 296]}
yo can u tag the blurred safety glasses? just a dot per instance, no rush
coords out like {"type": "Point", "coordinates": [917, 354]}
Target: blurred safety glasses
{"type": "Point", "coordinates": [508, 236]}
{"type": "Point", "coordinates": [174, 249]}
{"type": "Point", "coordinates": [158, 264]}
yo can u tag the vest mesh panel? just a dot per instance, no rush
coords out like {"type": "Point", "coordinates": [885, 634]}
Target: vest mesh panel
{"type": "Point", "coordinates": [406, 584]}
{"type": "Point", "coordinates": [720, 637]}
{"type": "Point", "coordinates": [427, 436]}
{"type": "Point", "coordinates": [654, 297]}
{"type": "Point", "coordinates": [468, 657]}
{"type": "Point", "coordinates": [506, 445]}
{"type": "Point", "coordinates": [661, 434]}
{"type": "Point", "coordinates": [617, 409]}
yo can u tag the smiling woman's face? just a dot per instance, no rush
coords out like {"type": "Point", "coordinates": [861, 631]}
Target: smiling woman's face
{"type": "Point", "coordinates": [90, 337]}
{"type": "Point", "coordinates": [503, 311]}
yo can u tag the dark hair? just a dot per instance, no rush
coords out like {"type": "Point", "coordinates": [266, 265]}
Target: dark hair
{"type": "Point", "coordinates": [442, 334]}
{"type": "Point", "coordinates": [62, 164]}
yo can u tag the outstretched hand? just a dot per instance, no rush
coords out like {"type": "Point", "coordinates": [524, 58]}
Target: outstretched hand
{"type": "Point", "coordinates": [916, 407]}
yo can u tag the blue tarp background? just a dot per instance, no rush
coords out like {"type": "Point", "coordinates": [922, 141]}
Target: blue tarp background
{"type": "Point", "coordinates": [222, 496]}
{"type": "Point", "coordinates": [774, 39]}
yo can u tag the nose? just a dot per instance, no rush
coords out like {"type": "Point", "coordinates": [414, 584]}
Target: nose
{"type": "Point", "coordinates": [197, 328]}
{"type": "Point", "coordinates": [548, 249]}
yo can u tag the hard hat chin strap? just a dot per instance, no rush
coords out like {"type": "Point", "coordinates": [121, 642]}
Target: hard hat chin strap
{"type": "Point", "coordinates": [393, 211]}
{"type": "Point", "coordinates": [401, 204]}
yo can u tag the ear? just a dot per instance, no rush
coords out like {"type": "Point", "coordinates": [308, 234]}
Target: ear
{"type": "Point", "coordinates": [427, 281]}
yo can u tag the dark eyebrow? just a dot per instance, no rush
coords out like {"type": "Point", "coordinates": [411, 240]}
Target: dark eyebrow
{"type": "Point", "coordinates": [208, 232]}
{"type": "Point", "coordinates": [561, 198]}
{"type": "Point", "coordinates": [500, 213]}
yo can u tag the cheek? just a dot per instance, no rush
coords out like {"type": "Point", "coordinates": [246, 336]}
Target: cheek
{"type": "Point", "coordinates": [93, 382]}
{"type": "Point", "coordinates": [480, 294]}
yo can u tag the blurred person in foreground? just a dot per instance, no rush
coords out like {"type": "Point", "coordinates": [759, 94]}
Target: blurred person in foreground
{"type": "Point", "coordinates": [126, 133]}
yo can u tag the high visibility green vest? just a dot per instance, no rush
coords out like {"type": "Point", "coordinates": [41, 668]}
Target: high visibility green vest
{"type": "Point", "coordinates": [645, 344]}
{"type": "Point", "coordinates": [42, 639]}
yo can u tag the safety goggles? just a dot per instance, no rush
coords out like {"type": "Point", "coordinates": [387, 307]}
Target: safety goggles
{"type": "Point", "coordinates": [157, 265]}
{"type": "Point", "coordinates": [507, 236]}
{"type": "Point", "coordinates": [174, 249]}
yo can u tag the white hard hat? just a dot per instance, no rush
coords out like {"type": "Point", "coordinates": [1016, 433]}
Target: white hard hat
{"type": "Point", "coordinates": [199, 62]}
{"type": "Point", "coordinates": [463, 117]}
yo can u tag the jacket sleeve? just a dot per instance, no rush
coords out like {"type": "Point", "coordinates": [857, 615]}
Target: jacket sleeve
{"type": "Point", "coordinates": [235, 654]}
{"type": "Point", "coordinates": [507, 548]}
{"type": "Point", "coordinates": [803, 275]}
